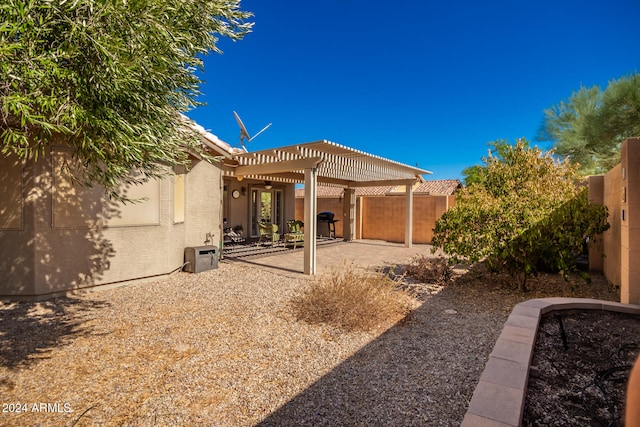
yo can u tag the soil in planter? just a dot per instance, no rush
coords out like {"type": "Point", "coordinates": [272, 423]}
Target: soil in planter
{"type": "Point", "coordinates": [580, 368]}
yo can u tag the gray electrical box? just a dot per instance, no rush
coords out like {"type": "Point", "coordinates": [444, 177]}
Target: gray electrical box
{"type": "Point", "coordinates": [200, 258]}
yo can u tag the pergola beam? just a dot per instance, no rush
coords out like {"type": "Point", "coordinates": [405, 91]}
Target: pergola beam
{"type": "Point", "coordinates": [408, 181]}
{"type": "Point", "coordinates": [299, 177]}
{"type": "Point", "coordinates": [319, 179]}
{"type": "Point", "coordinates": [277, 167]}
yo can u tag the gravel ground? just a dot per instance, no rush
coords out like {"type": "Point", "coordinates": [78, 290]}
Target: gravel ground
{"type": "Point", "coordinates": [222, 348]}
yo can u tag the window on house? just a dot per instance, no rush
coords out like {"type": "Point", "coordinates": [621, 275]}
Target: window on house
{"type": "Point", "coordinates": [178, 197]}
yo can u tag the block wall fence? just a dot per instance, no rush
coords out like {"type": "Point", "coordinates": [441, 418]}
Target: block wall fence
{"type": "Point", "coordinates": [617, 252]}
{"type": "Point", "coordinates": [382, 217]}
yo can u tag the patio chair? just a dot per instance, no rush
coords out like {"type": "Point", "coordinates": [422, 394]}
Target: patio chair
{"type": "Point", "coordinates": [231, 236]}
{"type": "Point", "coordinates": [295, 234]}
{"type": "Point", "coordinates": [268, 233]}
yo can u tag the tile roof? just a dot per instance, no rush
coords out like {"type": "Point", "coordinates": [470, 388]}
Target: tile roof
{"type": "Point", "coordinates": [439, 187]}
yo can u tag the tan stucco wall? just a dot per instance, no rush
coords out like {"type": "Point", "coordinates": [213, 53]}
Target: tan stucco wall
{"type": "Point", "coordinates": [237, 210]}
{"type": "Point", "coordinates": [289, 203]}
{"type": "Point", "coordinates": [17, 239]}
{"type": "Point", "coordinates": [74, 238]}
{"type": "Point", "coordinates": [203, 204]}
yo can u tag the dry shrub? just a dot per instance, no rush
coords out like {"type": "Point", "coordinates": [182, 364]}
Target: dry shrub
{"type": "Point", "coordinates": [353, 300]}
{"type": "Point", "coordinates": [435, 271]}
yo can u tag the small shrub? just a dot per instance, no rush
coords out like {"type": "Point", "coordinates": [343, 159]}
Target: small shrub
{"type": "Point", "coordinates": [353, 300]}
{"type": "Point", "coordinates": [436, 271]}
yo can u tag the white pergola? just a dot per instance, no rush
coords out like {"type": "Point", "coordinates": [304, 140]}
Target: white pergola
{"type": "Point", "coordinates": [326, 163]}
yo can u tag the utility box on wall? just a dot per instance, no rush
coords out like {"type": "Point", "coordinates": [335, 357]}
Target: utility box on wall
{"type": "Point", "coordinates": [200, 258]}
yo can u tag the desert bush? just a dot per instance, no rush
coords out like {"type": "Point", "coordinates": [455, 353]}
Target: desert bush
{"type": "Point", "coordinates": [353, 300]}
{"type": "Point", "coordinates": [431, 270]}
{"type": "Point", "coordinates": [524, 211]}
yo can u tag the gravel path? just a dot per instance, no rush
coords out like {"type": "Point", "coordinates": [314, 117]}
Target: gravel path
{"type": "Point", "coordinates": [222, 348]}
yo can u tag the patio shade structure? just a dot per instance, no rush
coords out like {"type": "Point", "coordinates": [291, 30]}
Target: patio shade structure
{"type": "Point", "coordinates": [326, 163]}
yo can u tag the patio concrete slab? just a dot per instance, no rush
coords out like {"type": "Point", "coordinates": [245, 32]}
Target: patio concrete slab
{"type": "Point", "coordinates": [359, 253]}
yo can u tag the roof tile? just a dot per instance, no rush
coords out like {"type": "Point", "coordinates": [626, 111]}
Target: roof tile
{"type": "Point", "coordinates": [437, 187]}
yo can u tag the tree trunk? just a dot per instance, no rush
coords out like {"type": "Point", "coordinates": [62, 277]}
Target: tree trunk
{"type": "Point", "coordinates": [523, 283]}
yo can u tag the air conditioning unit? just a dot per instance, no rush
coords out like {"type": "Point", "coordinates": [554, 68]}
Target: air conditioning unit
{"type": "Point", "coordinates": [200, 258]}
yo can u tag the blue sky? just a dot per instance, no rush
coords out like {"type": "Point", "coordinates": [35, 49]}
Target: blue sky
{"type": "Point", "coordinates": [419, 82]}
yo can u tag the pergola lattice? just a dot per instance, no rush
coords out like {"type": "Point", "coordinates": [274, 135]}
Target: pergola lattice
{"type": "Point", "coordinates": [326, 163]}
{"type": "Point", "coordinates": [336, 164]}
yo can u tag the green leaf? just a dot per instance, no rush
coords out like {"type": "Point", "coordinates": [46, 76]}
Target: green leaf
{"type": "Point", "coordinates": [110, 78]}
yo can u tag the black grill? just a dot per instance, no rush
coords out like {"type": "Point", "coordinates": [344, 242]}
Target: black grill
{"type": "Point", "coordinates": [326, 223]}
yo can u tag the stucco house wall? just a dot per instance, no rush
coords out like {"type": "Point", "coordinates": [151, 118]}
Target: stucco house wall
{"type": "Point", "coordinates": [203, 204]}
{"type": "Point", "coordinates": [56, 236]}
{"type": "Point", "coordinates": [237, 211]}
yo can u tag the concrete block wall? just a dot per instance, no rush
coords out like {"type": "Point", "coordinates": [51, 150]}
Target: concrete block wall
{"type": "Point", "coordinates": [611, 197]}
{"type": "Point", "coordinates": [324, 205]}
{"type": "Point", "coordinates": [382, 217]}
{"type": "Point", "coordinates": [630, 221]}
{"type": "Point", "coordinates": [595, 186]}
{"type": "Point", "coordinates": [619, 191]}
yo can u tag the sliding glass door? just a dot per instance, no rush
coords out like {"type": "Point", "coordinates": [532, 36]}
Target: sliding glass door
{"type": "Point", "coordinates": [266, 206]}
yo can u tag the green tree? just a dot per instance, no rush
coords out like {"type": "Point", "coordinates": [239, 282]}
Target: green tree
{"type": "Point", "coordinates": [476, 174]}
{"type": "Point", "coordinates": [107, 78]}
{"type": "Point", "coordinates": [589, 127]}
{"type": "Point", "coordinates": [473, 175]}
{"type": "Point", "coordinates": [527, 212]}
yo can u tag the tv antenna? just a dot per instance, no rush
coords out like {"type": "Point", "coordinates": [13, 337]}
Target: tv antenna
{"type": "Point", "coordinates": [245, 138]}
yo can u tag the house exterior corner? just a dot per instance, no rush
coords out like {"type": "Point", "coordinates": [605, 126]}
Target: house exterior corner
{"type": "Point", "coordinates": [57, 236]}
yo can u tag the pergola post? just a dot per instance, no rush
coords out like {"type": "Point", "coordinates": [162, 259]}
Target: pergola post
{"type": "Point", "coordinates": [349, 214]}
{"type": "Point", "coordinates": [360, 221]}
{"type": "Point", "coordinates": [408, 224]}
{"type": "Point", "coordinates": [310, 224]}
